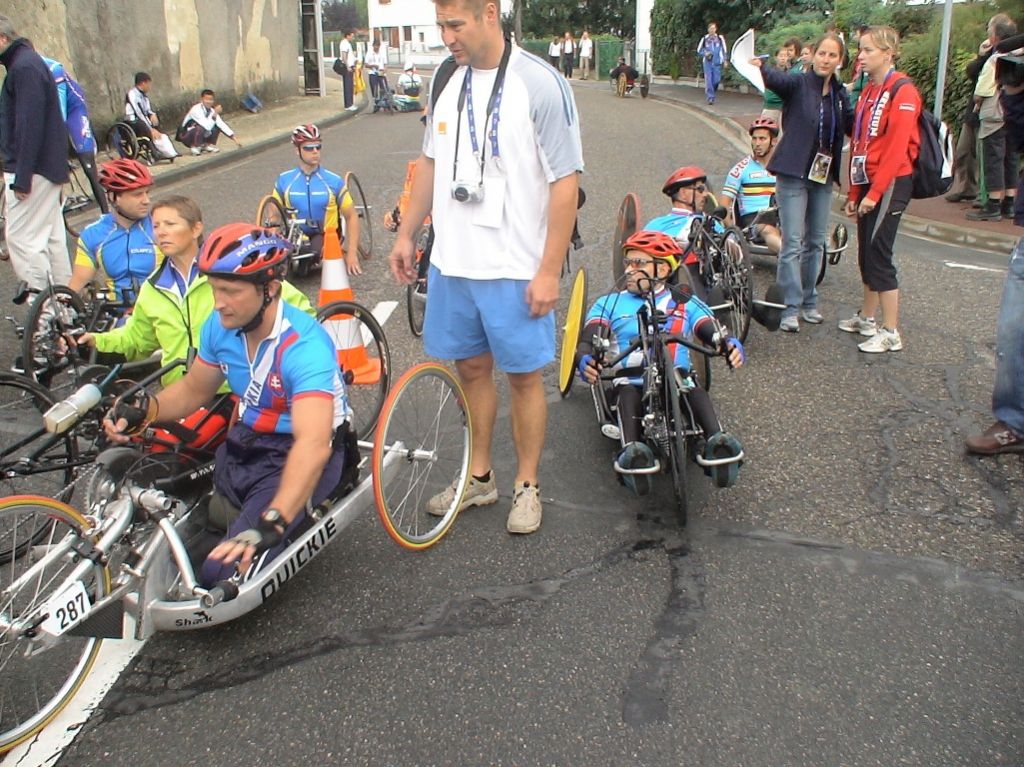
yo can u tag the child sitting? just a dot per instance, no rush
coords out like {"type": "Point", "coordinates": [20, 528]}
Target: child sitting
{"type": "Point", "coordinates": [650, 259]}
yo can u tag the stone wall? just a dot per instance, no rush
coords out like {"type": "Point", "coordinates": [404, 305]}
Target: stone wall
{"type": "Point", "coordinates": [231, 46]}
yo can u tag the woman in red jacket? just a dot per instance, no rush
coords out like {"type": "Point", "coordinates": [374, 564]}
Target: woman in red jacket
{"type": "Point", "coordinates": [883, 148]}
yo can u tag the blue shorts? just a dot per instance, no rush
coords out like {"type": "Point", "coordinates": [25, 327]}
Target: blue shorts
{"type": "Point", "coordinates": [466, 318]}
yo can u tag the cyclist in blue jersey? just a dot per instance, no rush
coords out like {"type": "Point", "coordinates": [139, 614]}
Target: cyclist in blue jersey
{"type": "Point", "coordinates": [320, 197]}
{"type": "Point", "coordinates": [650, 259]}
{"type": "Point", "coordinates": [750, 186]}
{"type": "Point", "coordinates": [121, 242]}
{"type": "Point", "coordinates": [687, 189]}
{"type": "Point", "coordinates": [286, 451]}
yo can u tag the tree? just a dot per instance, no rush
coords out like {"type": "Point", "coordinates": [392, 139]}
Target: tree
{"type": "Point", "coordinates": [344, 16]}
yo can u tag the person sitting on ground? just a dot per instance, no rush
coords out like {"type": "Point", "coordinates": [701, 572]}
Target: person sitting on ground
{"type": "Point", "coordinates": [120, 243]}
{"type": "Point", "coordinates": [622, 68]}
{"type": "Point", "coordinates": [751, 186]}
{"type": "Point", "coordinates": [286, 451]}
{"type": "Point", "coordinates": [203, 125]}
{"type": "Point", "coordinates": [176, 300]}
{"type": "Point", "coordinates": [139, 114]}
{"type": "Point", "coordinates": [650, 259]}
{"type": "Point", "coordinates": [410, 83]}
{"type": "Point", "coordinates": [319, 197]}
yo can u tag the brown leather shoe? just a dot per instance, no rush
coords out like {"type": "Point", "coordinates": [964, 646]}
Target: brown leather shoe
{"type": "Point", "coordinates": [997, 438]}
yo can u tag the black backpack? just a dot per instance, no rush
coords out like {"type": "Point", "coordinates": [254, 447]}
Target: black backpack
{"type": "Point", "coordinates": [339, 66]}
{"type": "Point", "coordinates": [933, 169]}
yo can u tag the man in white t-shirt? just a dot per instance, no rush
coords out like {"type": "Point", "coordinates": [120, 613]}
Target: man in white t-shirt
{"type": "Point", "coordinates": [347, 60]}
{"type": "Point", "coordinates": [375, 63]}
{"type": "Point", "coordinates": [586, 53]}
{"type": "Point", "coordinates": [502, 194]}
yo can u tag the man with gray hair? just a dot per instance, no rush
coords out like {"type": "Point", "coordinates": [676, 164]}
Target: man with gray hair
{"type": "Point", "coordinates": [34, 148]}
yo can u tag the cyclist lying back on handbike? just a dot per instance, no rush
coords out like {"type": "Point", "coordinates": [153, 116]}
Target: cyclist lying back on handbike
{"type": "Point", "coordinates": [651, 258]}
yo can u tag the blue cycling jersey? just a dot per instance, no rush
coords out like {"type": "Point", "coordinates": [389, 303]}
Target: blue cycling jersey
{"type": "Point", "coordinates": [127, 256]}
{"type": "Point", "coordinates": [296, 360]}
{"type": "Point", "coordinates": [317, 198]}
{"type": "Point", "coordinates": [619, 311]}
{"type": "Point", "coordinates": [751, 185]}
{"type": "Point", "coordinates": [675, 224]}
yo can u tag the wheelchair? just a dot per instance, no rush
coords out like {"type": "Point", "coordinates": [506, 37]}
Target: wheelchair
{"type": "Point", "coordinates": [124, 141]}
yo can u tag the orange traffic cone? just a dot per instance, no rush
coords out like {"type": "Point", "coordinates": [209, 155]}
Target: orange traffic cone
{"type": "Point", "coordinates": [344, 328]}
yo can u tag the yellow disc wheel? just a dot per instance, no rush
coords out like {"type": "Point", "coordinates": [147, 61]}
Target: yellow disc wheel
{"type": "Point", "coordinates": [571, 334]}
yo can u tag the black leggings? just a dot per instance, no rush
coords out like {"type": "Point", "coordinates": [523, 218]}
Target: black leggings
{"type": "Point", "coordinates": [876, 235]}
{"type": "Point", "coordinates": [627, 398]}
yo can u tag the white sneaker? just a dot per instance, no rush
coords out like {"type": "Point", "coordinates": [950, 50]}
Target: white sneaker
{"type": "Point", "coordinates": [813, 316]}
{"type": "Point", "coordinates": [196, 151]}
{"type": "Point", "coordinates": [526, 509]}
{"type": "Point", "coordinates": [352, 108]}
{"type": "Point", "coordinates": [856, 324]}
{"type": "Point", "coordinates": [477, 494]}
{"type": "Point", "coordinates": [883, 341]}
{"type": "Point", "coordinates": [211, 149]}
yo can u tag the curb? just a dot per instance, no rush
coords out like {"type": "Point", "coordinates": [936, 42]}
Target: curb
{"type": "Point", "coordinates": [915, 226]}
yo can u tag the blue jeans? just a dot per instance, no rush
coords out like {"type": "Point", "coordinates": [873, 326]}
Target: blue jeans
{"type": "Point", "coordinates": [1008, 392]}
{"type": "Point", "coordinates": [803, 217]}
{"type": "Point", "coordinates": [712, 77]}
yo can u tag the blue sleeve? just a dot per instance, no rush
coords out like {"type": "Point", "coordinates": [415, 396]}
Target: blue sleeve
{"type": "Point", "coordinates": [309, 365]}
{"type": "Point", "coordinates": [734, 179]}
{"type": "Point", "coordinates": [208, 335]}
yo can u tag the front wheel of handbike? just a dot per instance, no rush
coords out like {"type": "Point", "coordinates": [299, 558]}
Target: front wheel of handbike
{"type": "Point", "coordinates": [44, 350]}
{"type": "Point", "coordinates": [421, 449]}
{"type": "Point", "coordinates": [679, 446]}
{"type": "Point", "coordinates": [41, 666]}
{"type": "Point", "coordinates": [738, 281]}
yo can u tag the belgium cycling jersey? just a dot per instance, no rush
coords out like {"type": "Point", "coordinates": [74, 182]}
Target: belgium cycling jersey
{"type": "Point", "coordinates": [296, 360]}
{"type": "Point", "coordinates": [751, 185]}
{"type": "Point", "coordinates": [317, 198]}
{"type": "Point", "coordinates": [618, 312]}
{"type": "Point", "coordinates": [127, 256]}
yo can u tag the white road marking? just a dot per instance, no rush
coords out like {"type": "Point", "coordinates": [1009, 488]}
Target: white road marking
{"type": "Point", "coordinates": [972, 267]}
{"type": "Point", "coordinates": [381, 312]}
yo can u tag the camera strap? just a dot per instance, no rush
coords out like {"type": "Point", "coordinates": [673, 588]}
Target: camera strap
{"type": "Point", "coordinates": [493, 108]}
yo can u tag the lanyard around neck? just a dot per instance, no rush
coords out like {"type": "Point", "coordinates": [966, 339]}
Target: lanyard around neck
{"type": "Point", "coordinates": [493, 108]}
{"type": "Point", "coordinates": [858, 123]}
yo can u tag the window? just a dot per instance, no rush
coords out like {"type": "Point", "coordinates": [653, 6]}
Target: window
{"type": "Point", "coordinates": [407, 34]}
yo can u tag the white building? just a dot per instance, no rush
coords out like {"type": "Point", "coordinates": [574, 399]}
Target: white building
{"type": "Point", "coordinates": [408, 29]}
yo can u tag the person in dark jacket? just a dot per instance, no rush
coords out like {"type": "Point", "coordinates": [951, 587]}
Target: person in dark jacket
{"type": "Point", "coordinates": [34, 147]}
{"type": "Point", "coordinates": [815, 112]}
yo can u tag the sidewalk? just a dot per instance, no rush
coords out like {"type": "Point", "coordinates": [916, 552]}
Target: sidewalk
{"type": "Point", "coordinates": [934, 219]}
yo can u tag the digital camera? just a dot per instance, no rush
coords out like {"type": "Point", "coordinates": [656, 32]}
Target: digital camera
{"type": "Point", "coordinates": [467, 191]}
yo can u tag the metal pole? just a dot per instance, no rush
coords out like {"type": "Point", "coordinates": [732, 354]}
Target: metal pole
{"type": "Point", "coordinates": [940, 78]}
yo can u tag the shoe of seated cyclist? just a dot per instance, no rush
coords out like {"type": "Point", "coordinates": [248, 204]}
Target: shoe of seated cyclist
{"type": "Point", "coordinates": [636, 455]}
{"type": "Point", "coordinates": [478, 493]}
{"type": "Point", "coordinates": [866, 326]}
{"type": "Point", "coordinates": [719, 446]}
{"type": "Point", "coordinates": [196, 151]}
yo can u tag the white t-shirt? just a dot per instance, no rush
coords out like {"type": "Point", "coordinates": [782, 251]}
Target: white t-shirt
{"type": "Point", "coordinates": [503, 236]}
{"type": "Point", "coordinates": [345, 53]}
{"type": "Point", "coordinates": [554, 49]}
{"type": "Point", "coordinates": [568, 47]}
{"type": "Point", "coordinates": [375, 60]}
{"type": "Point", "coordinates": [586, 48]}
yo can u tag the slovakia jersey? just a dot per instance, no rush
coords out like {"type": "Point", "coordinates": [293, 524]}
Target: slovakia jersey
{"type": "Point", "coordinates": [296, 360]}
{"type": "Point", "coordinates": [751, 185]}
{"type": "Point", "coordinates": [126, 256]}
{"type": "Point", "coordinates": [317, 198]}
{"type": "Point", "coordinates": [619, 313]}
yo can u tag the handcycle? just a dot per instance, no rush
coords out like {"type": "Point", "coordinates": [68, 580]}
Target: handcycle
{"type": "Point", "coordinates": [624, 84]}
{"type": "Point", "coordinates": [272, 214]}
{"type": "Point", "coordinates": [126, 555]}
{"type": "Point", "coordinates": [124, 141]}
{"type": "Point", "coordinates": [668, 424]}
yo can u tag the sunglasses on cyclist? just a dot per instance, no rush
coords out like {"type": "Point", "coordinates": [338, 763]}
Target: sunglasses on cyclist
{"type": "Point", "coordinates": [637, 263]}
{"type": "Point", "coordinates": [697, 188]}
{"type": "Point", "coordinates": [312, 147]}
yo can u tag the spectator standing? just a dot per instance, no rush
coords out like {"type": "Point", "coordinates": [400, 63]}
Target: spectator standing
{"type": "Point", "coordinates": [883, 148]}
{"type": "Point", "coordinates": [586, 53]}
{"type": "Point", "coordinates": [712, 51]}
{"type": "Point", "coordinates": [806, 165]}
{"type": "Point", "coordinates": [138, 112]}
{"type": "Point", "coordinates": [376, 63]}
{"type": "Point", "coordinates": [965, 158]}
{"type": "Point", "coordinates": [998, 145]}
{"type": "Point", "coordinates": [568, 55]}
{"type": "Point", "coordinates": [500, 183]}
{"type": "Point", "coordinates": [33, 144]}
{"type": "Point", "coordinates": [347, 62]}
{"type": "Point", "coordinates": [203, 125]}
{"type": "Point", "coordinates": [555, 52]}
{"type": "Point", "coordinates": [785, 57]}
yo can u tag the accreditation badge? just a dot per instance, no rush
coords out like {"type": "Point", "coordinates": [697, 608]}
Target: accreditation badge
{"type": "Point", "coordinates": [859, 170]}
{"type": "Point", "coordinates": [819, 168]}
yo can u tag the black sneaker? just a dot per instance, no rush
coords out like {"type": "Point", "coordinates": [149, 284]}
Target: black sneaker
{"type": "Point", "coordinates": [991, 211]}
{"type": "Point", "coordinates": [1007, 207]}
{"type": "Point", "coordinates": [959, 197]}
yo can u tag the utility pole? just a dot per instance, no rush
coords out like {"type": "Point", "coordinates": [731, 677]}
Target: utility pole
{"type": "Point", "coordinates": [940, 77]}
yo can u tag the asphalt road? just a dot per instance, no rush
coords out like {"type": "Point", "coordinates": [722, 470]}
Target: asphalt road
{"type": "Point", "coordinates": [855, 600]}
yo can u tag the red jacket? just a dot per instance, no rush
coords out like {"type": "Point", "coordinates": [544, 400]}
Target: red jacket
{"type": "Point", "coordinates": [889, 133]}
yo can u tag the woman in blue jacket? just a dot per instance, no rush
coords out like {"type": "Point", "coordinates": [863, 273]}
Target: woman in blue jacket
{"type": "Point", "coordinates": [815, 111]}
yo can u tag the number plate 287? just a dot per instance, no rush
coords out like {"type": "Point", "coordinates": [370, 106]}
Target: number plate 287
{"type": "Point", "coordinates": [66, 609]}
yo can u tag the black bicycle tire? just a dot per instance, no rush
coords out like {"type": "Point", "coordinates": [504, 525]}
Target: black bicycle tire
{"type": "Point", "coordinates": [679, 450]}
{"type": "Point", "coordinates": [740, 280]}
{"type": "Point", "coordinates": [122, 132]}
{"type": "Point", "coordinates": [365, 226]}
{"type": "Point", "coordinates": [28, 338]}
{"type": "Point", "coordinates": [416, 307]}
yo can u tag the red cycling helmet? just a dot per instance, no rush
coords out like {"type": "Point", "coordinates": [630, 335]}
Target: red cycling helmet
{"type": "Point", "coordinates": [124, 175]}
{"type": "Point", "coordinates": [245, 252]}
{"type": "Point", "coordinates": [656, 245]}
{"type": "Point", "coordinates": [688, 174]}
{"type": "Point", "coordinates": [305, 133]}
{"type": "Point", "coordinates": [767, 123]}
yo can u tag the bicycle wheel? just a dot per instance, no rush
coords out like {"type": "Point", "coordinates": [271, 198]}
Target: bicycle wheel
{"type": "Point", "coordinates": [627, 222]}
{"type": "Point", "coordinates": [425, 420]}
{"type": "Point", "coordinates": [364, 358]}
{"type": "Point", "coordinates": [4, 255]}
{"type": "Point", "coordinates": [416, 294]}
{"type": "Point", "coordinates": [41, 667]}
{"type": "Point", "coordinates": [365, 229]}
{"type": "Point", "coordinates": [122, 141]}
{"type": "Point", "coordinates": [620, 86]}
{"type": "Point", "coordinates": [270, 214]}
{"type": "Point", "coordinates": [645, 85]}
{"type": "Point", "coordinates": [53, 314]}
{"type": "Point", "coordinates": [73, 199]}
{"type": "Point", "coordinates": [679, 444]}
{"type": "Point", "coordinates": [738, 281]}
{"type": "Point", "coordinates": [574, 316]}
